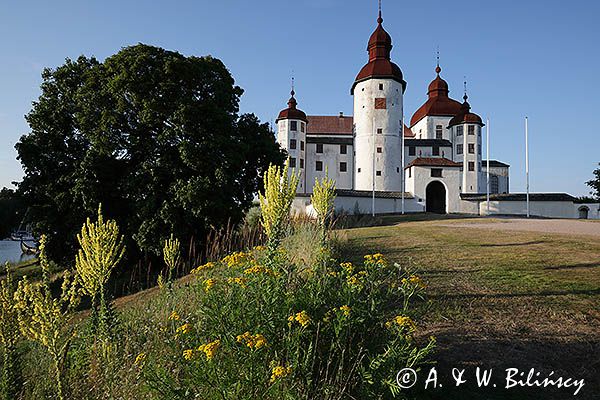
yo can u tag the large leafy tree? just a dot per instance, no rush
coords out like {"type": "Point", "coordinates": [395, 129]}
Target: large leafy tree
{"type": "Point", "coordinates": [154, 136]}
{"type": "Point", "coordinates": [595, 184]}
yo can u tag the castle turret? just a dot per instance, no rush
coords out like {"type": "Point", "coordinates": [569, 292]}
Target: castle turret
{"type": "Point", "coordinates": [378, 104]}
{"type": "Point", "coordinates": [465, 128]}
{"type": "Point", "coordinates": [291, 135]}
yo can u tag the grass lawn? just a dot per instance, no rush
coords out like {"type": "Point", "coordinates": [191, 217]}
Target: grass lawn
{"type": "Point", "coordinates": [501, 299]}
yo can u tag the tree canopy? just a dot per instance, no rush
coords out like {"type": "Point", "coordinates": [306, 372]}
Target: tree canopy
{"type": "Point", "coordinates": [595, 184]}
{"type": "Point", "coordinates": [153, 135]}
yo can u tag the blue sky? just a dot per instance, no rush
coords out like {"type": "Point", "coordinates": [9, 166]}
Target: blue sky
{"type": "Point", "coordinates": [535, 58]}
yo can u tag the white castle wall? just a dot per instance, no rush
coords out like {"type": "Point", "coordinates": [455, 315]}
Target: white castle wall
{"type": "Point", "coordinates": [417, 179]}
{"type": "Point", "coordinates": [331, 159]}
{"type": "Point", "coordinates": [548, 209]}
{"type": "Point", "coordinates": [284, 135]}
{"type": "Point", "coordinates": [425, 128]}
{"type": "Point", "coordinates": [367, 120]}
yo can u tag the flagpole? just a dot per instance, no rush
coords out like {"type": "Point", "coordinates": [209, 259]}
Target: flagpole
{"type": "Point", "coordinates": [527, 161]}
{"type": "Point", "coordinates": [487, 140]}
{"type": "Point", "coordinates": [373, 180]}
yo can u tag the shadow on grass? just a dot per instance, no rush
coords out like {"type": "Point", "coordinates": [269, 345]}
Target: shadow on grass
{"type": "Point", "coordinates": [512, 244]}
{"type": "Point", "coordinates": [574, 359]}
{"type": "Point", "coordinates": [544, 293]}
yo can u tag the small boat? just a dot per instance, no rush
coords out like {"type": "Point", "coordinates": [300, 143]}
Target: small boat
{"type": "Point", "coordinates": [27, 249]}
{"type": "Point", "coordinates": [22, 236]}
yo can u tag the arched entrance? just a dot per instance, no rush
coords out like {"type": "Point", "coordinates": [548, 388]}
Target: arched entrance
{"type": "Point", "coordinates": [435, 198]}
{"type": "Point", "coordinates": [583, 212]}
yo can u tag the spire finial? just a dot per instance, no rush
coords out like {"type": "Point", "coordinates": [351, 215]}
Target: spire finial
{"type": "Point", "coordinates": [292, 92]}
{"type": "Point", "coordinates": [437, 68]}
{"type": "Point", "coordinates": [465, 97]}
{"type": "Point", "coordinates": [379, 19]}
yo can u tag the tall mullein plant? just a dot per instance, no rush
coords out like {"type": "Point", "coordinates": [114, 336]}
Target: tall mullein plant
{"type": "Point", "coordinates": [9, 337]}
{"type": "Point", "coordinates": [101, 250]}
{"type": "Point", "coordinates": [171, 256]}
{"type": "Point", "coordinates": [276, 203]}
{"type": "Point", "coordinates": [322, 200]}
{"type": "Point", "coordinates": [46, 319]}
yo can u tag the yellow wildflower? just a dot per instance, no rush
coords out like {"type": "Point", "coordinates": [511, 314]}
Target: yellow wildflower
{"type": "Point", "coordinates": [259, 269]}
{"type": "Point", "coordinates": [236, 259]}
{"type": "Point", "coordinates": [280, 371]}
{"type": "Point", "coordinates": [174, 316]}
{"type": "Point", "coordinates": [140, 359]}
{"type": "Point", "coordinates": [210, 349]}
{"type": "Point", "coordinates": [260, 248]}
{"type": "Point", "coordinates": [302, 318]}
{"type": "Point", "coordinates": [185, 328]}
{"type": "Point", "coordinates": [208, 265]}
{"type": "Point", "coordinates": [401, 321]}
{"type": "Point", "coordinates": [188, 354]}
{"type": "Point", "coordinates": [332, 273]}
{"type": "Point", "coordinates": [347, 267]}
{"type": "Point", "coordinates": [208, 283]}
{"type": "Point", "coordinates": [239, 281]}
{"type": "Point", "coordinates": [345, 310]}
{"type": "Point", "coordinates": [253, 341]}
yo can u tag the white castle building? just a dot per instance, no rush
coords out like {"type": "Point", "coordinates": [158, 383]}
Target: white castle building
{"type": "Point", "coordinates": [442, 170]}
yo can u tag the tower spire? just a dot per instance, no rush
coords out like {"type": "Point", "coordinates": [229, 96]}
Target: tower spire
{"type": "Point", "coordinates": [379, 19]}
{"type": "Point", "coordinates": [437, 68]}
{"type": "Point", "coordinates": [465, 97]}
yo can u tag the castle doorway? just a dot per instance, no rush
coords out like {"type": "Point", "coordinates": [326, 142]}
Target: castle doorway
{"type": "Point", "coordinates": [435, 198]}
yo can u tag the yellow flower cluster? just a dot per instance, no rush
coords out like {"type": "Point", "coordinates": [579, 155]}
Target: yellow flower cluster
{"type": "Point", "coordinates": [333, 273]}
{"type": "Point", "coordinates": [302, 318]}
{"type": "Point", "coordinates": [259, 269]}
{"type": "Point", "coordinates": [356, 279]}
{"type": "Point", "coordinates": [237, 258]}
{"type": "Point", "coordinates": [140, 359]}
{"type": "Point", "coordinates": [174, 316]}
{"type": "Point", "coordinates": [255, 341]}
{"type": "Point", "coordinates": [347, 267]}
{"type": "Point", "coordinates": [280, 371]}
{"type": "Point", "coordinates": [204, 267]}
{"type": "Point", "coordinates": [209, 283]}
{"type": "Point", "coordinates": [377, 259]}
{"type": "Point", "coordinates": [184, 329]}
{"type": "Point", "coordinates": [401, 321]}
{"type": "Point", "coordinates": [260, 248]}
{"type": "Point", "coordinates": [415, 280]}
{"type": "Point", "coordinates": [345, 310]}
{"type": "Point", "coordinates": [210, 349]}
{"type": "Point", "coordinates": [188, 354]}
{"type": "Point", "coordinates": [240, 281]}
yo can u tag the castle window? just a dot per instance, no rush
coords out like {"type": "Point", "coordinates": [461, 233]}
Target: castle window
{"type": "Point", "coordinates": [471, 166]}
{"type": "Point", "coordinates": [379, 150]}
{"type": "Point", "coordinates": [459, 149]}
{"type": "Point", "coordinates": [471, 129]}
{"type": "Point", "coordinates": [380, 103]}
{"type": "Point", "coordinates": [494, 184]}
{"type": "Point", "coordinates": [438, 132]}
{"type": "Point", "coordinates": [319, 165]}
{"type": "Point", "coordinates": [459, 130]}
{"type": "Point", "coordinates": [343, 149]}
{"type": "Point", "coordinates": [378, 173]}
{"type": "Point", "coordinates": [292, 162]}
{"type": "Point", "coordinates": [436, 172]}
{"type": "Point", "coordinates": [410, 172]}
{"type": "Point", "coordinates": [302, 145]}
{"type": "Point", "coordinates": [343, 167]}
{"type": "Point", "coordinates": [435, 150]}
{"type": "Point", "coordinates": [319, 147]}
{"type": "Point", "coordinates": [398, 169]}
{"type": "Point", "coordinates": [412, 151]}
{"type": "Point", "coordinates": [358, 170]}
{"type": "Point", "coordinates": [379, 130]}
{"type": "Point", "coordinates": [302, 126]}
{"type": "Point", "coordinates": [381, 86]}
{"type": "Point", "coordinates": [292, 144]}
{"type": "Point", "coordinates": [471, 148]}
{"type": "Point", "coordinates": [302, 163]}
{"type": "Point", "coordinates": [293, 125]}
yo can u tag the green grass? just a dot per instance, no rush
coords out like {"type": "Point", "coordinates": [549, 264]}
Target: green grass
{"type": "Point", "coordinates": [499, 298]}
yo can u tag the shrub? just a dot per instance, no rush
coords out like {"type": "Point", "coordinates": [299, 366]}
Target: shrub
{"type": "Point", "coordinates": [322, 200]}
{"type": "Point", "coordinates": [9, 337]}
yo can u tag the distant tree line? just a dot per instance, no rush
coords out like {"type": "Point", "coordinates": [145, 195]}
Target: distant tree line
{"type": "Point", "coordinates": [12, 211]}
{"type": "Point", "coordinates": [154, 136]}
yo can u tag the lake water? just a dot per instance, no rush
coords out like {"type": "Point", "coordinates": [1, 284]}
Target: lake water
{"type": "Point", "coordinates": [11, 251]}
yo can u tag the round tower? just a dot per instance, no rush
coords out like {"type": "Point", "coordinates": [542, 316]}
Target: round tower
{"type": "Point", "coordinates": [378, 107]}
{"type": "Point", "coordinates": [291, 136]}
{"type": "Point", "coordinates": [465, 129]}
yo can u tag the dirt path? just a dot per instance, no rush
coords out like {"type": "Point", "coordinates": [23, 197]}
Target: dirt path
{"type": "Point", "coordinates": [563, 226]}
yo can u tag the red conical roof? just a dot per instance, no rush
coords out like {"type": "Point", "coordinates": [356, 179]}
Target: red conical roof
{"type": "Point", "coordinates": [465, 115]}
{"type": "Point", "coordinates": [438, 103]}
{"type": "Point", "coordinates": [292, 112]}
{"type": "Point", "coordinates": [380, 64]}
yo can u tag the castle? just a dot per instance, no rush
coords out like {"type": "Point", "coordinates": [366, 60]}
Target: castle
{"type": "Point", "coordinates": [382, 165]}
